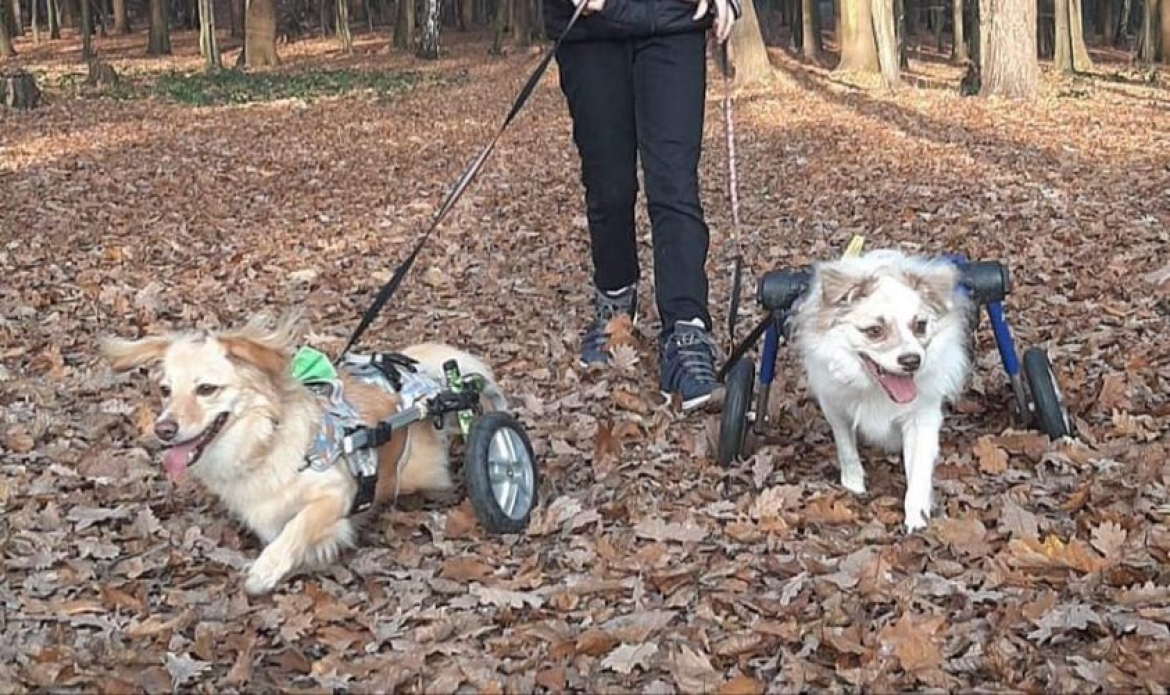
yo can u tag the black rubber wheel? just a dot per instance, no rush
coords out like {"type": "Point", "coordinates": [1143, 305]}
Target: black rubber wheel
{"type": "Point", "coordinates": [1049, 413]}
{"type": "Point", "coordinates": [733, 423]}
{"type": "Point", "coordinates": [499, 470]}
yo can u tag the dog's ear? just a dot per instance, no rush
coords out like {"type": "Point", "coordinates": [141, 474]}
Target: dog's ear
{"type": "Point", "coordinates": [839, 287]}
{"type": "Point", "coordinates": [936, 283]}
{"type": "Point", "coordinates": [125, 355]}
{"type": "Point", "coordinates": [267, 349]}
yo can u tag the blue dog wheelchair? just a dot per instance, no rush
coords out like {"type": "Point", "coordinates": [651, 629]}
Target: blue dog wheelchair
{"type": "Point", "coordinates": [1039, 403]}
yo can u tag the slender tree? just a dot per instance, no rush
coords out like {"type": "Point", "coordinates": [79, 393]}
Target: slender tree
{"type": "Point", "coordinates": [859, 51]}
{"type": "Point", "coordinates": [121, 19]}
{"type": "Point", "coordinates": [208, 45]}
{"type": "Point", "coordinates": [428, 45]}
{"type": "Point", "coordinates": [342, 21]}
{"type": "Point", "coordinates": [884, 29]}
{"type": "Point", "coordinates": [404, 27]}
{"type": "Point", "coordinates": [748, 52]}
{"type": "Point", "coordinates": [260, 34]}
{"type": "Point", "coordinates": [811, 45]}
{"type": "Point", "coordinates": [959, 43]}
{"type": "Point", "coordinates": [159, 42]}
{"type": "Point", "coordinates": [1007, 55]}
{"type": "Point", "coordinates": [7, 50]}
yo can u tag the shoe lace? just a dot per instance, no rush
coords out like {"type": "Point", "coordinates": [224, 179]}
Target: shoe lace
{"type": "Point", "coordinates": [694, 354]}
{"type": "Point", "coordinates": [608, 308]}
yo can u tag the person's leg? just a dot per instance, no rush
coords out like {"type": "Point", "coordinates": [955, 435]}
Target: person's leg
{"type": "Point", "coordinates": [596, 79]}
{"type": "Point", "coordinates": [670, 84]}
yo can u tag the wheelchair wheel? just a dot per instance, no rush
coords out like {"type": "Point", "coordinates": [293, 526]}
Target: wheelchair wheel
{"type": "Point", "coordinates": [733, 423]}
{"type": "Point", "coordinates": [1049, 413]}
{"type": "Point", "coordinates": [499, 470]}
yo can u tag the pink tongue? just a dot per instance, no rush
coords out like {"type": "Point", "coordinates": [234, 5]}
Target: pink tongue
{"type": "Point", "coordinates": [175, 460]}
{"type": "Point", "coordinates": [900, 388]}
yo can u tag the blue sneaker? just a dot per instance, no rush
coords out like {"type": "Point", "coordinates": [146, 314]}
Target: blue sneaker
{"type": "Point", "coordinates": [608, 306]}
{"type": "Point", "coordinates": [686, 363]}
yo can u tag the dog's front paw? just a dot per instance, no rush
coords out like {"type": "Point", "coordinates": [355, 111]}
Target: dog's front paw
{"type": "Point", "coordinates": [917, 511]}
{"type": "Point", "coordinates": [853, 479]}
{"type": "Point", "coordinates": [265, 574]}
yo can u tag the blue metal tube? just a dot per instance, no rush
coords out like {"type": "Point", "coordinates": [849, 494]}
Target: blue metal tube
{"type": "Point", "coordinates": [1003, 339]}
{"type": "Point", "coordinates": [768, 357]}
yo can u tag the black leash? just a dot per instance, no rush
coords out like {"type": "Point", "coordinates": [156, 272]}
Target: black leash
{"type": "Point", "coordinates": [723, 59]}
{"type": "Point", "coordinates": [461, 185]}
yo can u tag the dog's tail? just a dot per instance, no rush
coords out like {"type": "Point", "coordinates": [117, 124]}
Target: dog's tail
{"type": "Point", "coordinates": [494, 395]}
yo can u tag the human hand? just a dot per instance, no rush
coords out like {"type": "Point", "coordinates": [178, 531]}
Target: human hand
{"type": "Point", "coordinates": [724, 19]}
{"type": "Point", "coordinates": [592, 6]}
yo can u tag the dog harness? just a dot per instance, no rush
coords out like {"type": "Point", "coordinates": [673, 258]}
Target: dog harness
{"type": "Point", "coordinates": [395, 374]}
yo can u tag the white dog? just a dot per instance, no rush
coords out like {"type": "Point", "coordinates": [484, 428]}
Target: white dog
{"type": "Point", "coordinates": [883, 340]}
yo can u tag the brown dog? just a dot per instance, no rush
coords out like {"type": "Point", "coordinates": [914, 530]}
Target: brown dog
{"type": "Point", "coordinates": [236, 419]}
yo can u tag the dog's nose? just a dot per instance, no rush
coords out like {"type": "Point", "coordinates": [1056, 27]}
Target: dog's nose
{"type": "Point", "coordinates": [166, 429]}
{"type": "Point", "coordinates": [910, 362]}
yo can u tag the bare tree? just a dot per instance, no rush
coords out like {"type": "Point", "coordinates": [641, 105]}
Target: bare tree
{"type": "Point", "coordinates": [6, 48]}
{"type": "Point", "coordinates": [810, 30]}
{"type": "Point", "coordinates": [343, 34]}
{"type": "Point", "coordinates": [208, 45]}
{"type": "Point", "coordinates": [121, 19]}
{"type": "Point", "coordinates": [748, 52]}
{"type": "Point", "coordinates": [404, 26]}
{"type": "Point", "coordinates": [260, 33]}
{"type": "Point", "coordinates": [428, 45]}
{"type": "Point", "coordinates": [159, 42]}
{"type": "Point", "coordinates": [1070, 54]}
{"type": "Point", "coordinates": [958, 42]}
{"type": "Point", "coordinates": [858, 45]}
{"type": "Point", "coordinates": [882, 14]}
{"type": "Point", "coordinates": [1007, 41]}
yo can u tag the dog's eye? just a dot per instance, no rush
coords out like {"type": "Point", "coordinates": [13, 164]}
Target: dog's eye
{"type": "Point", "coordinates": [206, 390]}
{"type": "Point", "coordinates": [919, 326]}
{"type": "Point", "coordinates": [166, 391]}
{"type": "Point", "coordinates": [874, 332]}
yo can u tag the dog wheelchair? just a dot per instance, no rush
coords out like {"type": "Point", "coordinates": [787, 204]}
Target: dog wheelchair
{"type": "Point", "coordinates": [1039, 403]}
{"type": "Point", "coordinates": [499, 468]}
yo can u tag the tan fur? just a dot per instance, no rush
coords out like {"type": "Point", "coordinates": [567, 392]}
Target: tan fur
{"type": "Point", "coordinates": [256, 464]}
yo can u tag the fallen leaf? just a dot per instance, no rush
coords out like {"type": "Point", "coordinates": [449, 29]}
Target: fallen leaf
{"type": "Point", "coordinates": [992, 459]}
{"type": "Point", "coordinates": [627, 657]}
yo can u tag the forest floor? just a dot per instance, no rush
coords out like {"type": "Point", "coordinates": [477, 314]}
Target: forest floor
{"type": "Point", "coordinates": [170, 200]}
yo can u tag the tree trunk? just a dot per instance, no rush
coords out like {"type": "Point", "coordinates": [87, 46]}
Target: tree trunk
{"type": "Point", "coordinates": [18, 89]}
{"type": "Point", "coordinates": [466, 12]}
{"type": "Point", "coordinates": [159, 42]}
{"type": "Point", "coordinates": [746, 46]}
{"type": "Point", "coordinates": [260, 34]}
{"type": "Point", "coordinates": [86, 30]}
{"type": "Point", "coordinates": [17, 19]}
{"type": "Point", "coordinates": [1007, 38]}
{"type": "Point", "coordinates": [1121, 30]}
{"type": "Point", "coordinates": [500, 25]}
{"type": "Point", "coordinates": [859, 51]}
{"type": "Point", "coordinates": [1062, 51]}
{"type": "Point", "coordinates": [882, 12]}
{"type": "Point", "coordinates": [121, 19]}
{"type": "Point", "coordinates": [958, 40]}
{"type": "Point", "coordinates": [1147, 43]}
{"type": "Point", "coordinates": [53, 9]}
{"type": "Point", "coordinates": [1163, 50]}
{"type": "Point", "coordinates": [343, 34]}
{"type": "Point", "coordinates": [236, 18]}
{"type": "Point", "coordinates": [35, 20]}
{"type": "Point", "coordinates": [6, 48]}
{"type": "Point", "coordinates": [208, 45]}
{"type": "Point", "coordinates": [810, 38]}
{"type": "Point", "coordinates": [404, 27]}
{"type": "Point", "coordinates": [521, 22]}
{"type": "Point", "coordinates": [428, 45]}
{"type": "Point", "coordinates": [1076, 20]}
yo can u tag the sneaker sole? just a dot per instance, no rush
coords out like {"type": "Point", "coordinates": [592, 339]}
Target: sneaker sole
{"type": "Point", "coordinates": [688, 405]}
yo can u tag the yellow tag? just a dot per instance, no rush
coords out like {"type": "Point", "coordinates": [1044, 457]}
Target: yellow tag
{"type": "Point", "coordinates": [853, 250]}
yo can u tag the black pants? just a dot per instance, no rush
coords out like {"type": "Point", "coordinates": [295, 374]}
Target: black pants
{"type": "Point", "coordinates": [643, 97]}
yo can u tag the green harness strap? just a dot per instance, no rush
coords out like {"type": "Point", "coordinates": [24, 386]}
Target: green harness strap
{"type": "Point", "coordinates": [312, 366]}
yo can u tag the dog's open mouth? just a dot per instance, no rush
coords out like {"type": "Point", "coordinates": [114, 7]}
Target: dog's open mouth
{"type": "Point", "coordinates": [178, 457]}
{"type": "Point", "coordinates": [899, 387]}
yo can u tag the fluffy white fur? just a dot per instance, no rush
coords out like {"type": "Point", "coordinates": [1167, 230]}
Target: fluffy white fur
{"type": "Point", "coordinates": [254, 463]}
{"type": "Point", "coordinates": [860, 317]}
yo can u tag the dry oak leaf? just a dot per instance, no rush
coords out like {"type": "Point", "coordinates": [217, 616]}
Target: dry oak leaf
{"type": "Point", "coordinates": [464, 568]}
{"type": "Point", "coordinates": [967, 535]}
{"type": "Point", "coordinates": [912, 641]}
{"type": "Point", "coordinates": [828, 510]}
{"type": "Point", "coordinates": [742, 685]}
{"type": "Point", "coordinates": [1053, 553]}
{"type": "Point", "coordinates": [627, 657]}
{"type": "Point", "coordinates": [1109, 539]}
{"type": "Point", "coordinates": [659, 530]}
{"type": "Point", "coordinates": [992, 459]}
{"type": "Point", "coordinates": [693, 671]}
{"type": "Point", "coordinates": [505, 597]}
{"type": "Point", "coordinates": [606, 450]}
{"type": "Point", "coordinates": [595, 642]}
